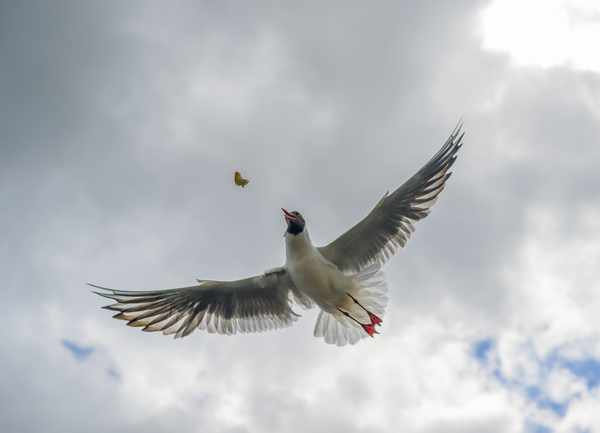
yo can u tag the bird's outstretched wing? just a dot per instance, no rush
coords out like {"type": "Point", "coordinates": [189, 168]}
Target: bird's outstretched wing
{"type": "Point", "coordinates": [253, 304]}
{"type": "Point", "coordinates": [379, 236]}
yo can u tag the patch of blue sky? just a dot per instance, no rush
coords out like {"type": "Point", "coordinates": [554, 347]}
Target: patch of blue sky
{"type": "Point", "coordinates": [114, 374]}
{"type": "Point", "coordinates": [535, 393]}
{"type": "Point", "coordinates": [559, 409]}
{"type": "Point", "coordinates": [589, 369]}
{"type": "Point", "coordinates": [500, 377]}
{"type": "Point", "coordinates": [482, 348]}
{"type": "Point", "coordinates": [79, 352]}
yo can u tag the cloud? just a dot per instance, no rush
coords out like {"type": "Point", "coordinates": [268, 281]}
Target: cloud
{"type": "Point", "coordinates": [121, 128]}
{"type": "Point", "coordinates": [562, 33]}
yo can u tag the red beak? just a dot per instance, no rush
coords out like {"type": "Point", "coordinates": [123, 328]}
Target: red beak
{"type": "Point", "coordinates": [287, 214]}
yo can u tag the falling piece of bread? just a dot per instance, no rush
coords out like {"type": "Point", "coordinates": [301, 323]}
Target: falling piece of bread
{"type": "Point", "coordinates": [239, 180]}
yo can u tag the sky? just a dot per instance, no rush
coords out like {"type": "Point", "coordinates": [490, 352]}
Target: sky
{"type": "Point", "coordinates": [122, 124]}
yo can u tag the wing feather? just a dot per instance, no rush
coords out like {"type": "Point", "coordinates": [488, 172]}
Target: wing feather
{"type": "Point", "coordinates": [253, 304]}
{"type": "Point", "coordinates": [379, 236]}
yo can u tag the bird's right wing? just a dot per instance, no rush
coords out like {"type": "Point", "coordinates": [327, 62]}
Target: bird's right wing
{"type": "Point", "coordinates": [253, 304]}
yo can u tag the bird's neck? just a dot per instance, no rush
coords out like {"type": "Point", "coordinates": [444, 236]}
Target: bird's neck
{"type": "Point", "coordinates": [296, 245]}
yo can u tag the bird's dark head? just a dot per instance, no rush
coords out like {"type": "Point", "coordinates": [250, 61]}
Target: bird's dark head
{"type": "Point", "coordinates": [295, 222]}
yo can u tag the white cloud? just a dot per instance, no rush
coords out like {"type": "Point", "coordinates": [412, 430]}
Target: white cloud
{"type": "Point", "coordinates": [123, 126]}
{"type": "Point", "coordinates": [544, 32]}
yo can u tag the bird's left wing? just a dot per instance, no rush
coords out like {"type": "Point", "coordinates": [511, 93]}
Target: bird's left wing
{"type": "Point", "coordinates": [253, 304]}
{"type": "Point", "coordinates": [389, 225]}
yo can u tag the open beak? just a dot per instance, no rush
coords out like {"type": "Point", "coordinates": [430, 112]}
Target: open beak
{"type": "Point", "coordinates": [287, 214]}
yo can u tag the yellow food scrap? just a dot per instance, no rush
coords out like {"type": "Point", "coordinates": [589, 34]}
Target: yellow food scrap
{"type": "Point", "coordinates": [239, 180]}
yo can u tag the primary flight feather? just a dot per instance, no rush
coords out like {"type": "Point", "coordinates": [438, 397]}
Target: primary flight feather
{"type": "Point", "coordinates": [344, 279]}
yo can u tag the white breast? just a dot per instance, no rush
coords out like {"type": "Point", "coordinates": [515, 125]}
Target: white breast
{"type": "Point", "coordinates": [314, 275]}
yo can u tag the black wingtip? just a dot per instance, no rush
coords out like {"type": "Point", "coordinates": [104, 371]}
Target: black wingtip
{"type": "Point", "coordinates": [458, 127]}
{"type": "Point", "coordinates": [106, 295]}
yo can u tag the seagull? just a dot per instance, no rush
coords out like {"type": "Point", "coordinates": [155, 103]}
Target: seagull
{"type": "Point", "coordinates": [344, 278]}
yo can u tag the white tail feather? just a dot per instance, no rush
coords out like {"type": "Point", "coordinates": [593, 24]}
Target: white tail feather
{"type": "Point", "coordinates": [340, 329]}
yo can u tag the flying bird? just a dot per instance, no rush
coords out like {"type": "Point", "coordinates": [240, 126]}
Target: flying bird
{"type": "Point", "coordinates": [344, 278]}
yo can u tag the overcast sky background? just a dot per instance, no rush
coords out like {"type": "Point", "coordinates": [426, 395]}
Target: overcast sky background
{"type": "Point", "coordinates": [122, 123]}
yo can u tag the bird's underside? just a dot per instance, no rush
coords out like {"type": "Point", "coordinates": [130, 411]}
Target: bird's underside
{"type": "Point", "coordinates": [351, 303]}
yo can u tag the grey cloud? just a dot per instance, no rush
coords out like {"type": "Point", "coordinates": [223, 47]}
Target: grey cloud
{"type": "Point", "coordinates": [121, 127]}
